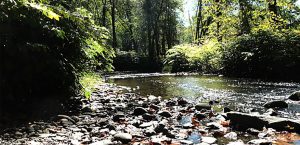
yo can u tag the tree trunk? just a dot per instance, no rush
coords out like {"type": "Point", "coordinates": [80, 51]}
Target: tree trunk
{"type": "Point", "coordinates": [104, 9]}
{"type": "Point", "coordinates": [244, 17]}
{"type": "Point", "coordinates": [199, 22]}
{"type": "Point", "coordinates": [113, 20]}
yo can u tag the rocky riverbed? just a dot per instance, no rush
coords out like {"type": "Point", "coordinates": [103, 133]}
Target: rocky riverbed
{"type": "Point", "coordinates": [114, 117]}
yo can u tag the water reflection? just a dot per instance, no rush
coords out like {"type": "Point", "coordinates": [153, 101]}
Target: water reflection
{"type": "Point", "coordinates": [237, 92]}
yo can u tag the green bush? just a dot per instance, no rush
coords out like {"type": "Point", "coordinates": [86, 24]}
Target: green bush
{"type": "Point", "coordinates": [45, 47]}
{"type": "Point", "coordinates": [264, 54]}
{"type": "Point", "coordinates": [131, 61]}
{"type": "Point", "coordinates": [194, 58]}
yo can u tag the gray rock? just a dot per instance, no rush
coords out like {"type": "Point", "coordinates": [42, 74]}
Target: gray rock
{"type": "Point", "coordinates": [253, 131]}
{"type": "Point", "coordinates": [271, 112]}
{"type": "Point", "coordinates": [155, 107]}
{"type": "Point", "coordinates": [209, 140]}
{"type": "Point", "coordinates": [149, 132]}
{"type": "Point", "coordinates": [87, 109]}
{"type": "Point", "coordinates": [139, 111]}
{"type": "Point", "coordinates": [165, 114]}
{"type": "Point", "coordinates": [148, 117]}
{"type": "Point", "coordinates": [201, 106]}
{"type": "Point", "coordinates": [226, 109]}
{"type": "Point", "coordinates": [160, 128]}
{"type": "Point", "coordinates": [103, 142]}
{"type": "Point", "coordinates": [214, 125]}
{"type": "Point", "coordinates": [244, 121]}
{"type": "Point", "coordinates": [200, 116]}
{"type": "Point", "coordinates": [276, 104]}
{"type": "Point", "coordinates": [182, 102]}
{"type": "Point", "coordinates": [123, 137]}
{"type": "Point", "coordinates": [260, 142]}
{"type": "Point", "coordinates": [118, 117]}
{"type": "Point", "coordinates": [186, 142]}
{"type": "Point", "coordinates": [236, 143]}
{"type": "Point", "coordinates": [231, 136]}
{"type": "Point", "coordinates": [295, 96]}
{"type": "Point", "coordinates": [283, 124]}
{"type": "Point", "coordinates": [145, 125]}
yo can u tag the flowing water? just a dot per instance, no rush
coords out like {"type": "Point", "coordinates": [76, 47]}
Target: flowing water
{"type": "Point", "coordinates": [243, 94]}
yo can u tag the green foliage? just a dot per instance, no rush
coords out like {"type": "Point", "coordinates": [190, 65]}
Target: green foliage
{"type": "Point", "coordinates": [264, 54]}
{"type": "Point", "coordinates": [89, 82]}
{"type": "Point", "coordinates": [44, 47]}
{"type": "Point", "coordinates": [205, 58]}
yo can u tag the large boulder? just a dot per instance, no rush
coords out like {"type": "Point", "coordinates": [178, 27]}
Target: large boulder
{"type": "Point", "coordinates": [283, 124]}
{"type": "Point", "coordinates": [276, 104]}
{"type": "Point", "coordinates": [242, 121]}
{"type": "Point", "coordinates": [295, 96]}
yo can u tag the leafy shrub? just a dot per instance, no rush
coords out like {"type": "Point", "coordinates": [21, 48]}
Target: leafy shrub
{"type": "Point", "coordinates": [205, 58]}
{"type": "Point", "coordinates": [131, 61]}
{"type": "Point", "coordinates": [88, 81]}
{"type": "Point", "coordinates": [264, 54]}
{"type": "Point", "coordinates": [45, 47]}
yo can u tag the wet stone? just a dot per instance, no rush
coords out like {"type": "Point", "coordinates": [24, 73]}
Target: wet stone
{"type": "Point", "coordinates": [209, 140]}
{"type": "Point", "coordinates": [139, 111]}
{"type": "Point", "coordinates": [123, 137]}
{"type": "Point", "coordinates": [295, 96]}
{"type": "Point", "coordinates": [155, 107]}
{"type": "Point", "coordinates": [276, 104]}
{"type": "Point", "coordinates": [165, 114]}
{"type": "Point", "coordinates": [201, 106]}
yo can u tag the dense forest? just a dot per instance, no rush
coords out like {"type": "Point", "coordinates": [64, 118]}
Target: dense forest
{"type": "Point", "coordinates": [82, 72]}
{"type": "Point", "coordinates": [55, 47]}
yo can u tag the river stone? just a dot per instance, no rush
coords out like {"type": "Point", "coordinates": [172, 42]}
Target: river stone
{"type": "Point", "coordinates": [200, 116]}
{"type": "Point", "coordinates": [236, 143]}
{"type": "Point", "coordinates": [146, 124]}
{"type": "Point", "coordinates": [119, 116]}
{"type": "Point", "coordinates": [123, 137]}
{"type": "Point", "coordinates": [231, 136]}
{"type": "Point", "coordinates": [283, 124]}
{"type": "Point", "coordinates": [182, 102]}
{"type": "Point", "coordinates": [209, 140]}
{"type": "Point", "coordinates": [226, 109]}
{"type": "Point", "coordinates": [165, 114]}
{"type": "Point", "coordinates": [276, 104]}
{"type": "Point", "coordinates": [103, 142]}
{"type": "Point", "coordinates": [253, 131]}
{"type": "Point", "coordinates": [201, 106]}
{"type": "Point", "coordinates": [148, 117]}
{"type": "Point", "coordinates": [295, 96]}
{"type": "Point", "coordinates": [155, 107]}
{"type": "Point", "coordinates": [271, 112]}
{"type": "Point", "coordinates": [243, 121]}
{"type": "Point", "coordinates": [139, 111]}
{"type": "Point", "coordinates": [260, 142]}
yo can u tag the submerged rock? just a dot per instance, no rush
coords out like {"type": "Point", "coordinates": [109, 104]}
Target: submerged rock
{"type": "Point", "coordinates": [295, 96]}
{"type": "Point", "coordinates": [276, 104]}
